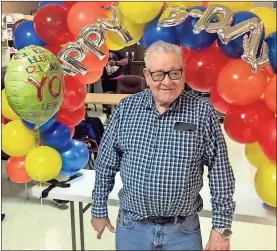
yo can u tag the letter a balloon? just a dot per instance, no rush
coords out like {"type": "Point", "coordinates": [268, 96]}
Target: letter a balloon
{"type": "Point", "coordinates": [34, 84]}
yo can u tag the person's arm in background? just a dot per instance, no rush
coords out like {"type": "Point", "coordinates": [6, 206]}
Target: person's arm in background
{"type": "Point", "coordinates": [221, 181]}
{"type": "Point", "coordinates": [106, 166]}
{"type": "Point", "coordinates": [122, 59]}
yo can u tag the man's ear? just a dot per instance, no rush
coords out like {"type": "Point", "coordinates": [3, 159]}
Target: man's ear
{"type": "Point", "coordinates": [146, 73]}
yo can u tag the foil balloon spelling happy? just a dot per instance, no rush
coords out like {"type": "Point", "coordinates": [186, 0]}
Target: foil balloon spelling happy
{"type": "Point", "coordinates": [34, 84]}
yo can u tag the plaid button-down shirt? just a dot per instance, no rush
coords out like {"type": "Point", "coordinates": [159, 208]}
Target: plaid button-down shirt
{"type": "Point", "coordinates": [162, 167]}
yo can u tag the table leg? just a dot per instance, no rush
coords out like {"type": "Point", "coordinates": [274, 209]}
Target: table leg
{"type": "Point", "coordinates": [73, 232]}
{"type": "Point", "coordinates": [26, 191]}
{"type": "Point", "coordinates": [81, 218]}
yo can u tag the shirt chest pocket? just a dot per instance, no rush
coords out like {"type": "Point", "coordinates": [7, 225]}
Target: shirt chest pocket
{"type": "Point", "coordinates": [185, 144]}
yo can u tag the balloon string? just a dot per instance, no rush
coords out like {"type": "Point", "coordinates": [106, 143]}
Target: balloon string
{"type": "Point", "coordinates": [36, 131]}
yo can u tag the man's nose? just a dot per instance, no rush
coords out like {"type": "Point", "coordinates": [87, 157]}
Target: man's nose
{"type": "Point", "coordinates": [167, 79]}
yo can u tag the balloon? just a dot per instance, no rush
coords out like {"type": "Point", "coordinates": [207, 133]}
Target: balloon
{"type": "Point", "coordinates": [203, 67]}
{"type": "Point", "coordinates": [265, 184]}
{"type": "Point", "coordinates": [17, 140]}
{"type": "Point", "coordinates": [112, 46]}
{"type": "Point", "coordinates": [271, 43]}
{"type": "Point", "coordinates": [34, 84]}
{"type": "Point", "coordinates": [43, 163]}
{"type": "Point", "coordinates": [234, 48]}
{"type": "Point", "coordinates": [266, 15]}
{"type": "Point", "coordinates": [255, 156]}
{"type": "Point", "coordinates": [267, 139]}
{"type": "Point", "coordinates": [74, 93]}
{"type": "Point", "coordinates": [7, 111]}
{"type": "Point", "coordinates": [140, 12]}
{"type": "Point", "coordinates": [15, 170]}
{"type": "Point", "coordinates": [237, 84]}
{"type": "Point", "coordinates": [218, 102]}
{"type": "Point", "coordinates": [29, 125]}
{"type": "Point", "coordinates": [72, 130]}
{"type": "Point", "coordinates": [55, 49]}
{"type": "Point", "coordinates": [81, 14]}
{"type": "Point", "coordinates": [182, 4]}
{"type": "Point", "coordinates": [194, 41]}
{"type": "Point", "coordinates": [105, 4]}
{"type": "Point", "coordinates": [43, 3]}
{"type": "Point", "coordinates": [68, 4]}
{"type": "Point", "coordinates": [48, 124]}
{"type": "Point", "coordinates": [185, 55]}
{"type": "Point", "coordinates": [71, 118]}
{"type": "Point", "coordinates": [234, 6]}
{"type": "Point", "coordinates": [135, 30]}
{"type": "Point", "coordinates": [153, 33]}
{"type": "Point", "coordinates": [270, 94]}
{"type": "Point", "coordinates": [90, 78]}
{"type": "Point", "coordinates": [24, 35]}
{"type": "Point", "coordinates": [56, 137]}
{"type": "Point", "coordinates": [75, 157]}
{"type": "Point", "coordinates": [50, 23]}
{"type": "Point", "coordinates": [242, 123]}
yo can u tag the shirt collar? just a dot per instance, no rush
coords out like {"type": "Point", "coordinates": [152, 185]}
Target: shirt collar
{"type": "Point", "coordinates": [149, 104]}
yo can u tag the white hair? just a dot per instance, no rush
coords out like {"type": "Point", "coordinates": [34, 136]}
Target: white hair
{"type": "Point", "coordinates": [161, 46]}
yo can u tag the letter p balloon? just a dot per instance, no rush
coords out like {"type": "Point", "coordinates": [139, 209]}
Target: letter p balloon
{"type": "Point", "coordinates": [34, 84]}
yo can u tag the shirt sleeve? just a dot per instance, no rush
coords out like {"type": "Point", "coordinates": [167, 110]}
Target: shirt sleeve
{"type": "Point", "coordinates": [221, 177]}
{"type": "Point", "coordinates": [106, 165]}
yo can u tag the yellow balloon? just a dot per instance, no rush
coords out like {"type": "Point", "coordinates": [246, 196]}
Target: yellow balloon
{"type": "Point", "coordinates": [255, 156]}
{"type": "Point", "coordinates": [183, 4]}
{"type": "Point", "coordinates": [265, 184]}
{"type": "Point", "coordinates": [43, 163]}
{"type": "Point", "coordinates": [234, 6]}
{"type": "Point", "coordinates": [140, 12]}
{"type": "Point", "coordinates": [135, 30]}
{"type": "Point", "coordinates": [268, 16]}
{"type": "Point", "coordinates": [7, 111]}
{"type": "Point", "coordinates": [112, 46]}
{"type": "Point", "coordinates": [17, 139]}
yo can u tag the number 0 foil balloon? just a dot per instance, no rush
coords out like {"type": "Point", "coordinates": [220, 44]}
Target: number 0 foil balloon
{"type": "Point", "coordinates": [34, 84]}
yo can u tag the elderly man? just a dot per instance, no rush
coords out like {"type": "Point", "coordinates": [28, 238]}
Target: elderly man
{"type": "Point", "coordinates": [160, 141]}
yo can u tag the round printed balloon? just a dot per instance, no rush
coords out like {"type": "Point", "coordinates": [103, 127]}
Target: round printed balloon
{"type": "Point", "coordinates": [34, 84]}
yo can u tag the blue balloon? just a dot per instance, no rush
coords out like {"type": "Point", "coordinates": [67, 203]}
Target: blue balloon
{"type": "Point", "coordinates": [194, 41]}
{"type": "Point", "coordinates": [234, 49]}
{"type": "Point", "coordinates": [56, 137]}
{"type": "Point", "coordinates": [29, 125]}
{"type": "Point", "coordinates": [43, 3]}
{"type": "Point", "coordinates": [48, 124]}
{"type": "Point", "coordinates": [74, 157]}
{"type": "Point", "coordinates": [24, 35]}
{"type": "Point", "coordinates": [271, 43]}
{"type": "Point", "coordinates": [152, 33]}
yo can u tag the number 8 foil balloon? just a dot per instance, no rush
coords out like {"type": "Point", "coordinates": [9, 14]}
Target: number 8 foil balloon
{"type": "Point", "coordinates": [34, 84]}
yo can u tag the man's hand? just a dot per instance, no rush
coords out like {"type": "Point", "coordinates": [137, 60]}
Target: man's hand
{"type": "Point", "coordinates": [112, 63]}
{"type": "Point", "coordinates": [100, 224]}
{"type": "Point", "coordinates": [217, 242]}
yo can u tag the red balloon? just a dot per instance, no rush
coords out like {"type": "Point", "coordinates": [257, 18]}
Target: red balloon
{"type": "Point", "coordinates": [242, 123]}
{"type": "Point", "coordinates": [55, 49]}
{"type": "Point", "coordinates": [185, 55]}
{"type": "Point", "coordinates": [237, 84]}
{"type": "Point", "coordinates": [68, 4]}
{"type": "Point", "coordinates": [203, 67]}
{"type": "Point", "coordinates": [90, 78]}
{"type": "Point", "coordinates": [50, 23]}
{"type": "Point", "coordinates": [105, 4]}
{"type": "Point", "coordinates": [218, 102]}
{"type": "Point", "coordinates": [74, 93]}
{"type": "Point", "coordinates": [82, 14]}
{"type": "Point", "coordinates": [71, 117]}
{"type": "Point", "coordinates": [267, 139]}
{"type": "Point", "coordinates": [15, 170]}
{"type": "Point", "coordinates": [270, 94]}
{"type": "Point", "coordinates": [72, 130]}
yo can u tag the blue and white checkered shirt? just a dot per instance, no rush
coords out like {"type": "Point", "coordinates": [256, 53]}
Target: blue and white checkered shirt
{"type": "Point", "coordinates": [162, 167]}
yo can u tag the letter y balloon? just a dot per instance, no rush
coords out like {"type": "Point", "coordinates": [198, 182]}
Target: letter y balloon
{"type": "Point", "coordinates": [34, 95]}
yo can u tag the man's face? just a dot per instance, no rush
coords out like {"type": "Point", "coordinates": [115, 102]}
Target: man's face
{"type": "Point", "coordinates": [167, 90]}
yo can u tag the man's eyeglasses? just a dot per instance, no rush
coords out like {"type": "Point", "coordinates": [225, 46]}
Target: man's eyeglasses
{"type": "Point", "coordinates": [160, 75]}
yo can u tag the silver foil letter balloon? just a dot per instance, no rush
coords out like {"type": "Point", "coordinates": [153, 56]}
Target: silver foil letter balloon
{"type": "Point", "coordinates": [71, 63]}
{"type": "Point", "coordinates": [93, 45]}
{"type": "Point", "coordinates": [173, 16]}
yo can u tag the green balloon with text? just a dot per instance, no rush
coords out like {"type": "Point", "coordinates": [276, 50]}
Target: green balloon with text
{"type": "Point", "coordinates": [34, 84]}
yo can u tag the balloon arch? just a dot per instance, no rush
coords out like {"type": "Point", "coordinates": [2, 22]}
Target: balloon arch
{"type": "Point", "coordinates": [229, 50]}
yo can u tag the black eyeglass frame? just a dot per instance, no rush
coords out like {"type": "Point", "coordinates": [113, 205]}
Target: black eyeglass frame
{"type": "Point", "coordinates": [166, 73]}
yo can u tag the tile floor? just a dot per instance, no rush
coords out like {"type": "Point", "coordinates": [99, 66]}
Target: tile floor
{"type": "Point", "coordinates": [32, 226]}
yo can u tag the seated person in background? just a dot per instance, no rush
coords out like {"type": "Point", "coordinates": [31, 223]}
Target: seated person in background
{"type": "Point", "coordinates": [112, 72]}
{"type": "Point", "coordinates": [160, 140]}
